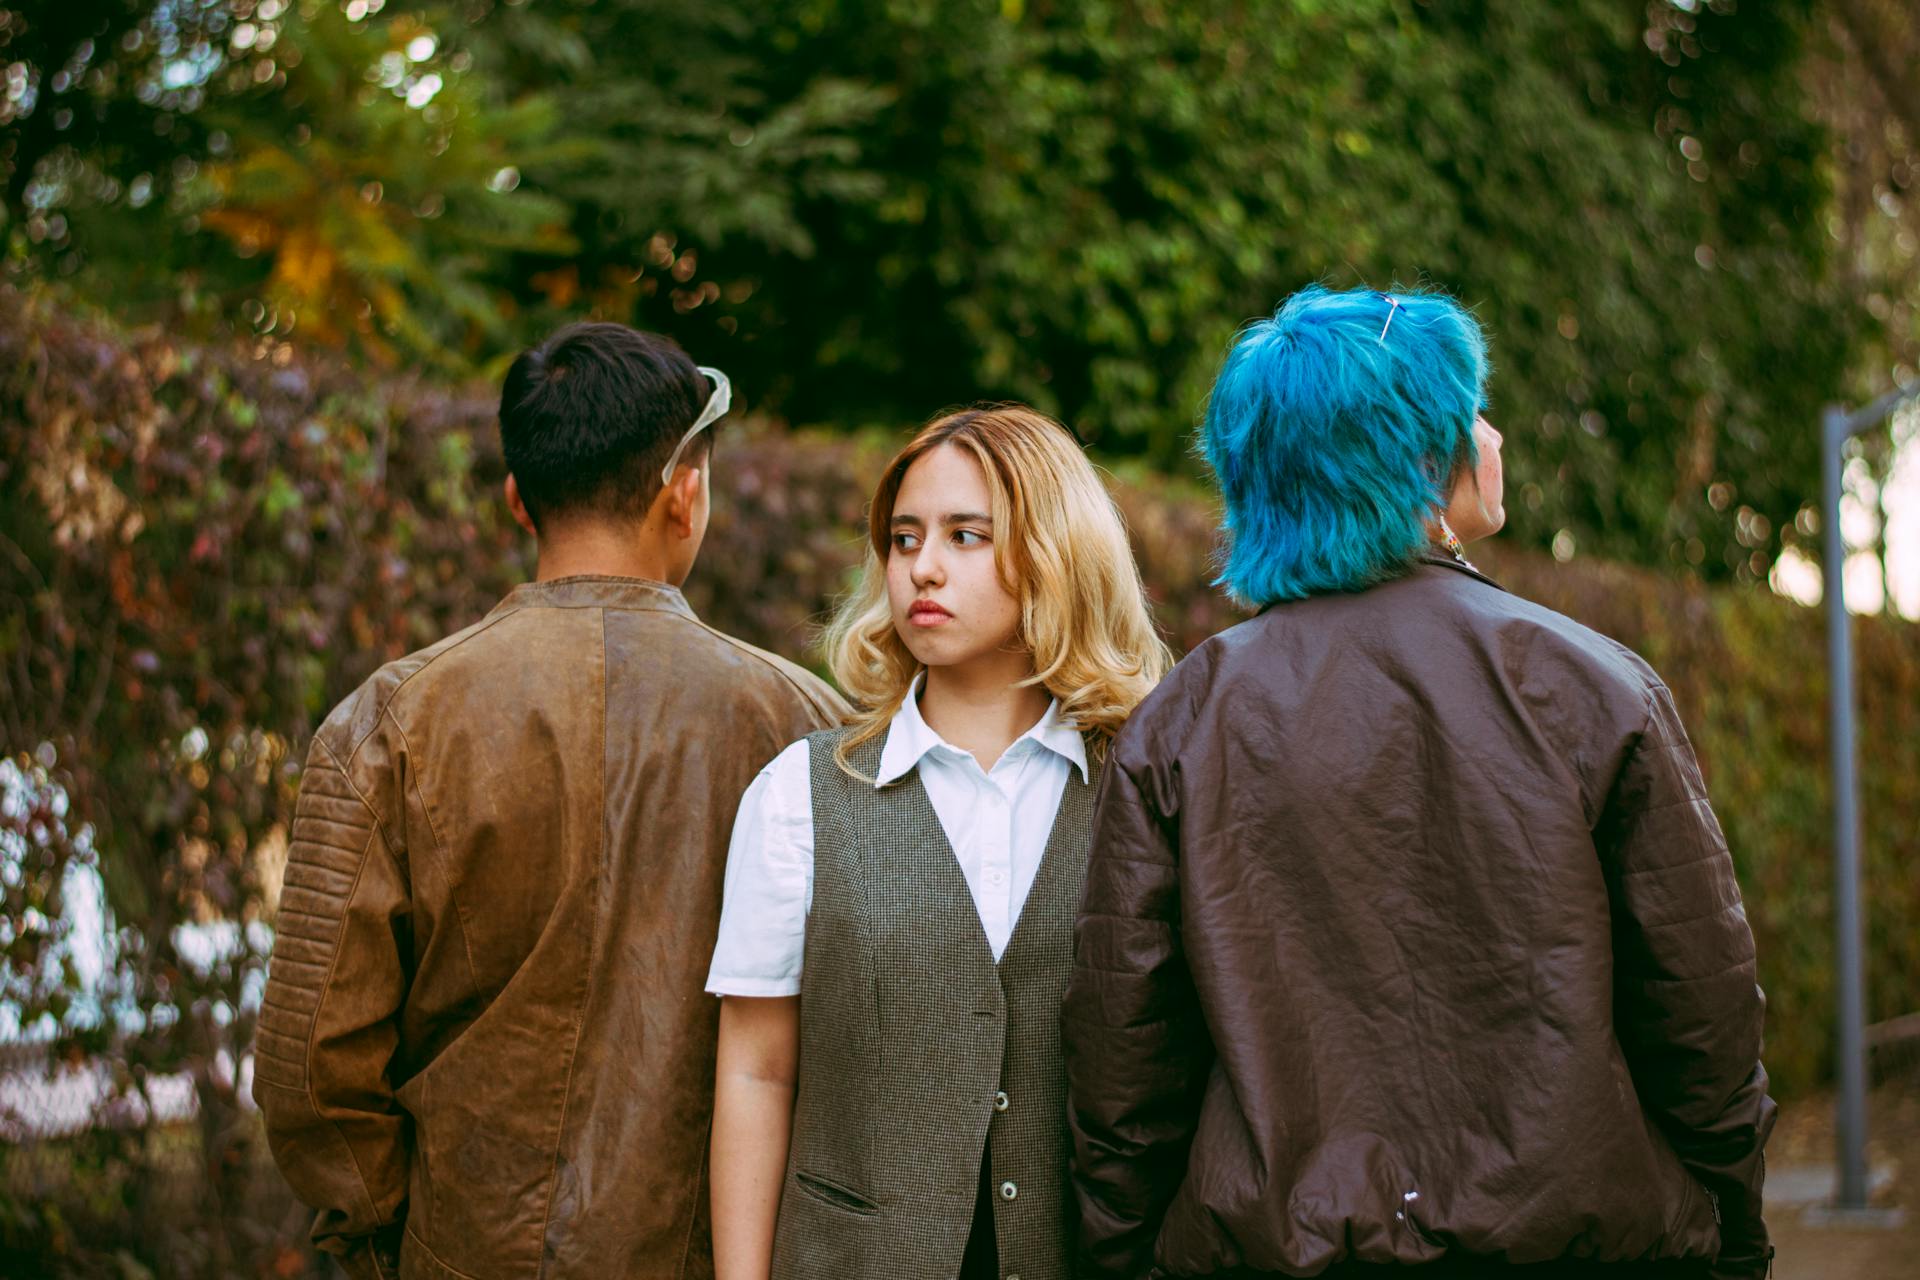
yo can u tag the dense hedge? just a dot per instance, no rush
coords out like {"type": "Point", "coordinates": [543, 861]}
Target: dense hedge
{"type": "Point", "coordinates": [229, 540]}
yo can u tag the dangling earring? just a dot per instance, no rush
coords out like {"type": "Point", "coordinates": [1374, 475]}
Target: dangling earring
{"type": "Point", "coordinates": [1454, 545]}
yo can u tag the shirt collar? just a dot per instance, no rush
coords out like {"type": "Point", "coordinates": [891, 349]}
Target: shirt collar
{"type": "Point", "coordinates": [910, 737]}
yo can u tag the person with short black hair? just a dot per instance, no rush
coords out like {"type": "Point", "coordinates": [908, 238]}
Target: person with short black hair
{"type": "Point", "coordinates": [483, 1049]}
{"type": "Point", "coordinates": [589, 418]}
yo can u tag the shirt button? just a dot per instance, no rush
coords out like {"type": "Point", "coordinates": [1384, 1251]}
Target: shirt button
{"type": "Point", "coordinates": [1008, 1191]}
{"type": "Point", "coordinates": [1001, 1102]}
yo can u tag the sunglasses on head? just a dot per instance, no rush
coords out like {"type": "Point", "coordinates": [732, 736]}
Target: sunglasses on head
{"type": "Point", "coordinates": [717, 405]}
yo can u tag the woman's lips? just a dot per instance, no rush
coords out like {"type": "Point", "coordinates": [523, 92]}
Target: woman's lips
{"type": "Point", "coordinates": [925, 613]}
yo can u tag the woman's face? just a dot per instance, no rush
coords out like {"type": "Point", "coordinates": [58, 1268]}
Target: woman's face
{"type": "Point", "coordinates": [1477, 508]}
{"type": "Point", "coordinates": [949, 605]}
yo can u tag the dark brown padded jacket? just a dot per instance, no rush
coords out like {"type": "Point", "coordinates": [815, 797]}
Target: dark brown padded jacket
{"type": "Point", "coordinates": [1409, 934]}
{"type": "Point", "coordinates": [485, 1050]}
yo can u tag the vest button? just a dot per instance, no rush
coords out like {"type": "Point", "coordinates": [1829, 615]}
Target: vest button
{"type": "Point", "coordinates": [1008, 1191]}
{"type": "Point", "coordinates": [1000, 1103]}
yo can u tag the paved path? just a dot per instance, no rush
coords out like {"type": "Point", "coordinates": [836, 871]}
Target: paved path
{"type": "Point", "coordinates": [1800, 1164]}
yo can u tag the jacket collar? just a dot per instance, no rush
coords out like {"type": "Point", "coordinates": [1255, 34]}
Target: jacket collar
{"type": "Point", "coordinates": [1444, 558]}
{"type": "Point", "coordinates": [910, 737]}
{"type": "Point", "coordinates": [596, 591]}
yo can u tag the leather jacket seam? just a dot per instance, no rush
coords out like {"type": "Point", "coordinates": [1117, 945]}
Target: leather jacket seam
{"type": "Point", "coordinates": [260, 1051]}
{"type": "Point", "coordinates": [593, 958]}
{"type": "Point", "coordinates": [345, 766]}
{"type": "Point", "coordinates": [693, 1216]}
{"type": "Point", "coordinates": [386, 712]}
{"type": "Point", "coordinates": [622, 606]}
{"type": "Point", "coordinates": [326, 988]}
{"type": "Point", "coordinates": [386, 702]}
{"type": "Point", "coordinates": [747, 650]}
{"type": "Point", "coordinates": [439, 847]}
{"type": "Point", "coordinates": [438, 1261]}
{"type": "Point", "coordinates": [1649, 713]}
{"type": "Point", "coordinates": [1721, 972]}
{"type": "Point", "coordinates": [1678, 804]}
{"type": "Point", "coordinates": [1668, 870]}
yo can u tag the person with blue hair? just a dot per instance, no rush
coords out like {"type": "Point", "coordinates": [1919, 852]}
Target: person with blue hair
{"type": "Point", "coordinates": [1337, 430]}
{"type": "Point", "coordinates": [1410, 942]}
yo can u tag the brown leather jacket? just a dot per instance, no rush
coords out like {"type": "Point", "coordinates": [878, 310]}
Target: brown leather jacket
{"type": "Point", "coordinates": [484, 1049]}
{"type": "Point", "coordinates": [1409, 932]}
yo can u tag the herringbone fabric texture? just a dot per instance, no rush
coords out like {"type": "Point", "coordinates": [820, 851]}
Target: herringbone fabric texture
{"type": "Point", "coordinates": [909, 1030]}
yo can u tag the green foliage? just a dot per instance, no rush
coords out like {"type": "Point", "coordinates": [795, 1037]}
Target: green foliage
{"type": "Point", "coordinates": [1082, 202]}
{"type": "Point", "coordinates": [376, 214]}
{"type": "Point", "coordinates": [674, 127]}
{"type": "Point", "coordinates": [866, 209]}
{"type": "Point", "coordinates": [86, 99]}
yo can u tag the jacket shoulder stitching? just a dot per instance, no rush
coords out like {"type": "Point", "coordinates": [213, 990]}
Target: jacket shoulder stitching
{"type": "Point", "coordinates": [772, 662]}
{"type": "Point", "coordinates": [384, 698]}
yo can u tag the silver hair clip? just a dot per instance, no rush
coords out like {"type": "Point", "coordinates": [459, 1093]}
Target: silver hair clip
{"type": "Point", "coordinates": [717, 404]}
{"type": "Point", "coordinates": [1393, 309]}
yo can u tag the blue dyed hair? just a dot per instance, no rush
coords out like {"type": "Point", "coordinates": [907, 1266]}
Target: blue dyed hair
{"type": "Point", "coordinates": [1333, 445]}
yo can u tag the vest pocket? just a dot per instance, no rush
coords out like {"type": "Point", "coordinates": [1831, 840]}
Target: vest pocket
{"type": "Point", "coordinates": [834, 1194]}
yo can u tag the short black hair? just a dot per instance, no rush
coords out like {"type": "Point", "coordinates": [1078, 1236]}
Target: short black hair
{"type": "Point", "coordinates": [588, 417]}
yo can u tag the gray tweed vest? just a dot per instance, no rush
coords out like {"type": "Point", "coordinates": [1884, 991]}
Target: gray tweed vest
{"type": "Point", "coordinates": [915, 1046]}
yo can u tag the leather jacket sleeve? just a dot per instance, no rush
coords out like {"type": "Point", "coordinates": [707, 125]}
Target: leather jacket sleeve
{"type": "Point", "coordinates": [327, 1030]}
{"type": "Point", "coordinates": [1136, 1046]}
{"type": "Point", "coordinates": [1687, 1010]}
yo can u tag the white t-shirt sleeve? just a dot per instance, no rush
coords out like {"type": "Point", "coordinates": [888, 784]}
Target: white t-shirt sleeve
{"type": "Point", "coordinates": [769, 885]}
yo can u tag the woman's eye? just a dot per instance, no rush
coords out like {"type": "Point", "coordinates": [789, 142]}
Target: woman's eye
{"type": "Point", "coordinates": [905, 542]}
{"type": "Point", "coordinates": [969, 538]}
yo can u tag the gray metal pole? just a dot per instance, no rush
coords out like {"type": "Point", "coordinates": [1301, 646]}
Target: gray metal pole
{"type": "Point", "coordinates": [1850, 1208]}
{"type": "Point", "coordinates": [1849, 975]}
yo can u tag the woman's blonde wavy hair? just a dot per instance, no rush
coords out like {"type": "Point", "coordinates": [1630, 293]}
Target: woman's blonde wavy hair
{"type": "Point", "coordinates": [1061, 550]}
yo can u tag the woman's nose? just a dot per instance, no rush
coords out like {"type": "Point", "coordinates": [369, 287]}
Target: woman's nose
{"type": "Point", "coordinates": [927, 568]}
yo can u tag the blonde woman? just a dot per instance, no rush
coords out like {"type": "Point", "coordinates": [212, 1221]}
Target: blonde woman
{"type": "Point", "coordinates": [900, 894]}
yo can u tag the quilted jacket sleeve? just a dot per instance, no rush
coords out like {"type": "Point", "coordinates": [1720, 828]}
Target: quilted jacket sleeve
{"type": "Point", "coordinates": [1136, 1046]}
{"type": "Point", "coordinates": [1687, 1009]}
{"type": "Point", "coordinates": [327, 1030]}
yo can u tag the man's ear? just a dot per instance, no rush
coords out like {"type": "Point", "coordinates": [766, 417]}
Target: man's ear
{"type": "Point", "coordinates": [518, 506]}
{"type": "Point", "coordinates": [680, 498]}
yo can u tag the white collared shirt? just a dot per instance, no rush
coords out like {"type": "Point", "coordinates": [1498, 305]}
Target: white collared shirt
{"type": "Point", "coordinates": [997, 821]}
